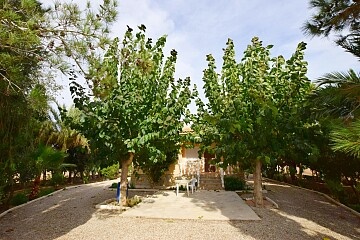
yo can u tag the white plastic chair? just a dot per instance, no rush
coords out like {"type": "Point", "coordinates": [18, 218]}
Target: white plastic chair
{"type": "Point", "coordinates": [192, 185]}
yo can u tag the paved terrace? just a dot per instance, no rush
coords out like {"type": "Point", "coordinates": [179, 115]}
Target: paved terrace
{"type": "Point", "coordinates": [71, 214]}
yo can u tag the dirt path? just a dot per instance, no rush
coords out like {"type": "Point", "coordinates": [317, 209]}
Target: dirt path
{"type": "Point", "coordinates": [70, 214]}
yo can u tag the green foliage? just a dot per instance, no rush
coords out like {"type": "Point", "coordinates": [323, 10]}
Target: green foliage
{"type": "Point", "coordinates": [346, 139]}
{"type": "Point", "coordinates": [131, 202]}
{"type": "Point", "coordinates": [110, 172]}
{"type": "Point", "coordinates": [356, 207]}
{"type": "Point", "coordinates": [336, 108]}
{"type": "Point", "coordinates": [254, 105]}
{"type": "Point", "coordinates": [18, 77]}
{"type": "Point", "coordinates": [48, 158]}
{"type": "Point", "coordinates": [33, 43]}
{"type": "Point", "coordinates": [57, 179]}
{"type": "Point", "coordinates": [155, 170]}
{"type": "Point", "coordinates": [337, 95]}
{"type": "Point", "coordinates": [255, 97]}
{"type": "Point", "coordinates": [138, 106]}
{"type": "Point", "coordinates": [18, 199]}
{"type": "Point", "coordinates": [336, 188]}
{"type": "Point", "coordinates": [46, 191]}
{"type": "Point", "coordinates": [336, 16]}
{"type": "Point", "coordinates": [233, 183]}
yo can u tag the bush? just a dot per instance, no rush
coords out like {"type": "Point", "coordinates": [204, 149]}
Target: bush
{"type": "Point", "coordinates": [57, 179]}
{"type": "Point", "coordinates": [130, 202]}
{"type": "Point", "coordinates": [336, 189]}
{"type": "Point", "coordinates": [46, 191]}
{"type": "Point", "coordinates": [19, 199]}
{"type": "Point", "coordinates": [110, 172]}
{"type": "Point", "coordinates": [233, 183]}
{"type": "Point", "coordinates": [356, 207]}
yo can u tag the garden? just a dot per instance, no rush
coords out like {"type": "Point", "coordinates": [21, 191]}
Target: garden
{"type": "Point", "coordinates": [259, 112]}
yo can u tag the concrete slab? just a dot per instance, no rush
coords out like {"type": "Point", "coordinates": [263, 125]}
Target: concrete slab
{"type": "Point", "coordinates": [207, 205]}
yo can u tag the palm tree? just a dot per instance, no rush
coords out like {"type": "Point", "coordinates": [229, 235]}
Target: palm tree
{"type": "Point", "coordinates": [338, 97]}
{"type": "Point", "coordinates": [346, 139]}
{"type": "Point", "coordinates": [57, 134]}
{"type": "Point", "coordinates": [338, 94]}
{"type": "Point", "coordinates": [46, 157]}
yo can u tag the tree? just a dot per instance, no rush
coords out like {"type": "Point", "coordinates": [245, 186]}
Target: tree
{"type": "Point", "coordinates": [46, 157]}
{"type": "Point", "coordinates": [249, 105]}
{"type": "Point", "coordinates": [34, 42]}
{"type": "Point", "coordinates": [337, 97]}
{"type": "Point", "coordinates": [338, 93]}
{"type": "Point", "coordinates": [57, 132]}
{"type": "Point", "coordinates": [137, 103]}
{"type": "Point", "coordinates": [336, 16]}
{"type": "Point", "coordinates": [337, 104]}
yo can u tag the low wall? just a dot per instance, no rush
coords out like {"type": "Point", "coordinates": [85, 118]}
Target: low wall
{"type": "Point", "coordinates": [142, 181]}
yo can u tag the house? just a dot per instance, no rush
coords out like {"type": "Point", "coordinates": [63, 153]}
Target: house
{"type": "Point", "coordinates": [188, 165]}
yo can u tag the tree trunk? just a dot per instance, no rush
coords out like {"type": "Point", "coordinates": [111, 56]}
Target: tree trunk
{"type": "Point", "coordinates": [70, 176]}
{"type": "Point", "coordinates": [258, 196]}
{"type": "Point", "coordinates": [44, 175]}
{"type": "Point", "coordinates": [82, 176]}
{"type": "Point", "coordinates": [352, 184]}
{"type": "Point", "coordinates": [123, 180]}
{"type": "Point", "coordinates": [35, 189]}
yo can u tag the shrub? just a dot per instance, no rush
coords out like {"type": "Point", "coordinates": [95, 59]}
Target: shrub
{"type": "Point", "coordinates": [336, 189]}
{"type": "Point", "coordinates": [19, 199]}
{"type": "Point", "coordinates": [130, 202]}
{"type": "Point", "coordinates": [46, 191]}
{"type": "Point", "coordinates": [233, 183]}
{"type": "Point", "coordinates": [356, 207]}
{"type": "Point", "coordinates": [110, 172]}
{"type": "Point", "coordinates": [57, 179]}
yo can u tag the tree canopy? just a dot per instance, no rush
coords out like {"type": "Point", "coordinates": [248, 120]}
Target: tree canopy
{"type": "Point", "coordinates": [250, 105]}
{"type": "Point", "coordinates": [36, 42]}
{"type": "Point", "coordinates": [336, 16]}
{"type": "Point", "coordinates": [138, 108]}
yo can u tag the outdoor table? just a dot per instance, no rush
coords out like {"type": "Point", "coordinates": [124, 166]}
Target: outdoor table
{"type": "Point", "coordinates": [181, 182]}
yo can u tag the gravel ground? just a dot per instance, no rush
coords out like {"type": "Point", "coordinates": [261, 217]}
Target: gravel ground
{"type": "Point", "coordinates": [70, 214]}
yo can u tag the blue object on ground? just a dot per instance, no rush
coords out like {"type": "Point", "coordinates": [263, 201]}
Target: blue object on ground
{"type": "Point", "coordinates": [118, 194]}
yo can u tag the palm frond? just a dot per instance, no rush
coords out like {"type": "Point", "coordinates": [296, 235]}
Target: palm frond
{"type": "Point", "coordinates": [347, 139]}
{"type": "Point", "coordinates": [338, 94]}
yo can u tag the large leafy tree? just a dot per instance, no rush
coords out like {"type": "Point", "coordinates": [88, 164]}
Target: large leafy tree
{"type": "Point", "coordinates": [336, 16]}
{"type": "Point", "coordinates": [18, 90]}
{"type": "Point", "coordinates": [138, 106]}
{"type": "Point", "coordinates": [250, 102]}
{"type": "Point", "coordinates": [34, 41]}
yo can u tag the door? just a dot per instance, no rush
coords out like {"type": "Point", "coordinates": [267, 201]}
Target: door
{"type": "Point", "coordinates": [208, 167]}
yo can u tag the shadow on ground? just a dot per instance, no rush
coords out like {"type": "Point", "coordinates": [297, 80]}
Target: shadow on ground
{"type": "Point", "coordinates": [308, 214]}
{"type": "Point", "coordinates": [56, 214]}
{"type": "Point", "coordinates": [71, 214]}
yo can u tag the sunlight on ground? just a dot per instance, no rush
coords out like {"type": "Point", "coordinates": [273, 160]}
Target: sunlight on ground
{"type": "Point", "coordinates": [278, 185]}
{"type": "Point", "coordinates": [57, 205]}
{"type": "Point", "coordinates": [311, 227]}
{"type": "Point", "coordinates": [51, 208]}
{"type": "Point", "coordinates": [326, 203]}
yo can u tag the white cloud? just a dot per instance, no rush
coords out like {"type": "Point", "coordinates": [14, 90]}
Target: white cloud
{"type": "Point", "coordinates": [197, 28]}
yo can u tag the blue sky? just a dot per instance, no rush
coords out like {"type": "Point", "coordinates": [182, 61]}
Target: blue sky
{"type": "Point", "coordinates": [197, 28]}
